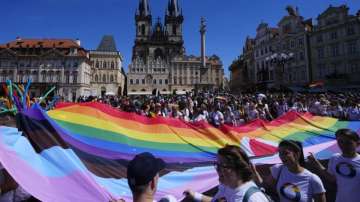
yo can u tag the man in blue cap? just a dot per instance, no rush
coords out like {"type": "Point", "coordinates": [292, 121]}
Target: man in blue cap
{"type": "Point", "coordinates": [143, 175]}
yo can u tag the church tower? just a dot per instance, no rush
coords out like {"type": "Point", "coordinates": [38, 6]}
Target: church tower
{"type": "Point", "coordinates": [173, 21]}
{"type": "Point", "coordinates": [143, 21]}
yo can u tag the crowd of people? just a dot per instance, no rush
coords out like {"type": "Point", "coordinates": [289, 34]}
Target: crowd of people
{"type": "Point", "coordinates": [236, 110]}
{"type": "Point", "coordinates": [240, 181]}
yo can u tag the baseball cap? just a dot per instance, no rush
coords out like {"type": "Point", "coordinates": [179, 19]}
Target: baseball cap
{"type": "Point", "coordinates": [143, 168]}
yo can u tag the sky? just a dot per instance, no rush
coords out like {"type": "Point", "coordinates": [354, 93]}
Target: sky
{"type": "Point", "coordinates": [229, 22]}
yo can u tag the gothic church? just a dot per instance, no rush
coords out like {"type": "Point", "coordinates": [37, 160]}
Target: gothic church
{"type": "Point", "coordinates": [159, 62]}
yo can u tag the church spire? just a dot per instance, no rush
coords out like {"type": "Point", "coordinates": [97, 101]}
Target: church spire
{"type": "Point", "coordinates": [144, 8]}
{"type": "Point", "coordinates": [173, 8]}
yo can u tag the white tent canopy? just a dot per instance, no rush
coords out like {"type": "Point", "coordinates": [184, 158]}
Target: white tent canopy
{"type": "Point", "coordinates": [109, 93]}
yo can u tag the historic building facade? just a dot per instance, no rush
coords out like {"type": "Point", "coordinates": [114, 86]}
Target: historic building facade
{"type": "Point", "coordinates": [335, 46]}
{"type": "Point", "coordinates": [293, 40]}
{"type": "Point", "coordinates": [242, 71]}
{"type": "Point", "coordinates": [62, 63]}
{"type": "Point", "coordinates": [107, 74]}
{"type": "Point", "coordinates": [327, 51]}
{"type": "Point", "coordinates": [159, 62]}
{"type": "Point", "coordinates": [264, 43]}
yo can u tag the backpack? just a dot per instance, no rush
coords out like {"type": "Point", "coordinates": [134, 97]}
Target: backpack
{"type": "Point", "coordinates": [253, 190]}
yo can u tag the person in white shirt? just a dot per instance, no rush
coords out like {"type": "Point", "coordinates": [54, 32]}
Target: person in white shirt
{"type": "Point", "coordinates": [253, 112]}
{"type": "Point", "coordinates": [235, 175]}
{"type": "Point", "coordinates": [281, 108]}
{"type": "Point", "coordinates": [343, 169]}
{"type": "Point", "coordinates": [353, 112]}
{"type": "Point", "coordinates": [292, 181]}
{"type": "Point", "coordinates": [217, 117]}
{"type": "Point", "coordinates": [198, 115]}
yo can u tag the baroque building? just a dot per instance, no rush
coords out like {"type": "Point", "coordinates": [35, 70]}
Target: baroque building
{"type": "Point", "coordinates": [298, 53]}
{"type": "Point", "coordinates": [335, 46]}
{"type": "Point", "coordinates": [62, 63]}
{"type": "Point", "coordinates": [293, 39]}
{"type": "Point", "coordinates": [242, 71]}
{"type": "Point", "coordinates": [159, 63]}
{"type": "Point", "coordinates": [107, 74]}
{"type": "Point", "coordinates": [264, 43]}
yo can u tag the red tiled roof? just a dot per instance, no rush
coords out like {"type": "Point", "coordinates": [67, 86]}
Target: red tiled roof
{"type": "Point", "coordinates": [45, 43]}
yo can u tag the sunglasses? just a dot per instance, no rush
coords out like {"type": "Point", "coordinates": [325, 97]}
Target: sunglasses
{"type": "Point", "coordinates": [219, 165]}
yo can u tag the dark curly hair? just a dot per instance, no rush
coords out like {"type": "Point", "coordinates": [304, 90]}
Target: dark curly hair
{"type": "Point", "coordinates": [348, 133]}
{"type": "Point", "coordinates": [237, 159]}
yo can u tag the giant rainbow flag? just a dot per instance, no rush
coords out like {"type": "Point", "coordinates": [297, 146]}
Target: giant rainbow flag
{"type": "Point", "coordinates": [79, 152]}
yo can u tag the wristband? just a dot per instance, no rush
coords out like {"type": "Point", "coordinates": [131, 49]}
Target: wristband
{"type": "Point", "coordinates": [198, 196]}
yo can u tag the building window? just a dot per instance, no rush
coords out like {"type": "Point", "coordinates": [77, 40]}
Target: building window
{"type": "Point", "coordinates": [74, 77]}
{"type": "Point", "coordinates": [319, 39]}
{"type": "Point", "coordinates": [350, 30]}
{"type": "Point", "coordinates": [174, 29]}
{"type": "Point", "coordinates": [143, 81]}
{"type": "Point", "coordinates": [335, 50]}
{"type": "Point", "coordinates": [154, 81]}
{"type": "Point", "coordinates": [67, 78]}
{"type": "Point", "coordinates": [104, 78]}
{"type": "Point", "coordinates": [166, 81]}
{"type": "Point", "coordinates": [137, 81]}
{"type": "Point", "coordinates": [333, 35]}
{"type": "Point", "coordinates": [131, 81]}
{"type": "Point", "coordinates": [104, 65]}
{"type": "Point", "coordinates": [292, 44]}
{"type": "Point", "coordinates": [353, 68]}
{"type": "Point", "coordinates": [96, 78]}
{"type": "Point", "coordinates": [160, 81]}
{"type": "Point", "coordinates": [321, 53]}
{"type": "Point", "coordinates": [301, 55]}
{"type": "Point", "coordinates": [58, 76]}
{"type": "Point", "coordinates": [97, 64]}
{"type": "Point", "coordinates": [111, 78]}
{"type": "Point", "coordinates": [112, 65]}
{"type": "Point", "coordinates": [51, 76]}
{"type": "Point", "coordinates": [352, 48]}
{"type": "Point", "coordinates": [143, 29]}
{"type": "Point", "coordinates": [76, 64]}
{"type": "Point", "coordinates": [43, 76]}
{"type": "Point", "coordinates": [301, 42]}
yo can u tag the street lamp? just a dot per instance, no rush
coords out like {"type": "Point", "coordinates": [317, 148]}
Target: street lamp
{"type": "Point", "coordinates": [280, 59]}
